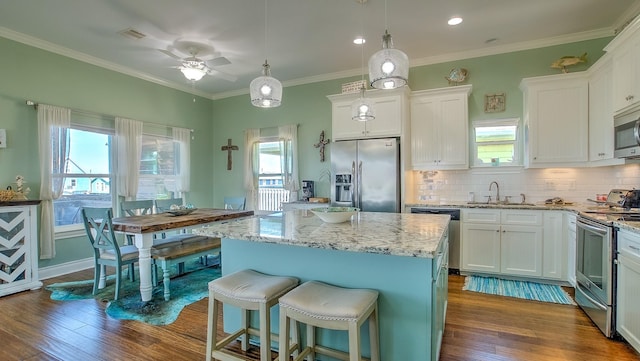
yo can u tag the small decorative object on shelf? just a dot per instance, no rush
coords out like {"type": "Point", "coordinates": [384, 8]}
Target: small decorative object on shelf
{"type": "Point", "coordinates": [566, 61]}
{"type": "Point", "coordinates": [457, 76]}
{"type": "Point", "coordinates": [494, 103]}
{"type": "Point", "coordinates": [321, 144]}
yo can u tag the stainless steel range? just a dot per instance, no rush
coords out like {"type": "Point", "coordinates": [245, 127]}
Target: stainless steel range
{"type": "Point", "coordinates": [596, 256]}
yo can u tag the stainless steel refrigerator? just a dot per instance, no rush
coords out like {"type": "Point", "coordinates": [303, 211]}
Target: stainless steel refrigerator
{"type": "Point", "coordinates": [366, 174]}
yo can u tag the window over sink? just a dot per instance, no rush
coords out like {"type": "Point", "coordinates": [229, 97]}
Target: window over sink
{"type": "Point", "coordinates": [496, 142]}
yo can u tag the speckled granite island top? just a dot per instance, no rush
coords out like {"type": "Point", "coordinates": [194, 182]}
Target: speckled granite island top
{"type": "Point", "coordinates": [399, 234]}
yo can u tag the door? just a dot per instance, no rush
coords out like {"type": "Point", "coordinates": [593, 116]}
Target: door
{"type": "Point", "coordinates": [378, 175]}
{"type": "Point", "coordinates": [521, 250]}
{"type": "Point", "coordinates": [480, 244]}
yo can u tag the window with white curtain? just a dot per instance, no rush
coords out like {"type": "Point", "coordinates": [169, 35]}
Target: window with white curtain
{"type": "Point", "coordinates": [158, 167]}
{"type": "Point", "coordinates": [271, 177]}
{"type": "Point", "coordinates": [88, 176]}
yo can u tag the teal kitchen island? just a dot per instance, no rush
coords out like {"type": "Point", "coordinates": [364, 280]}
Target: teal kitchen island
{"type": "Point", "coordinates": [403, 256]}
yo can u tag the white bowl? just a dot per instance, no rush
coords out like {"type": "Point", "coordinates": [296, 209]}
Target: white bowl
{"type": "Point", "coordinates": [335, 214]}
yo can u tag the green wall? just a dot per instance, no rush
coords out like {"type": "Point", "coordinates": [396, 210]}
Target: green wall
{"type": "Point", "coordinates": [31, 73]}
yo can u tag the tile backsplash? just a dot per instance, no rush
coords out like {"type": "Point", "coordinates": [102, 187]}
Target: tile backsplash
{"type": "Point", "coordinates": [570, 184]}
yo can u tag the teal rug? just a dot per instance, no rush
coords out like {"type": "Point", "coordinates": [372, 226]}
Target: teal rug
{"type": "Point", "coordinates": [519, 289]}
{"type": "Point", "coordinates": [186, 289]}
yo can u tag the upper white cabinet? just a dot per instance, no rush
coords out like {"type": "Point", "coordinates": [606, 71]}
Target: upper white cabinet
{"type": "Point", "coordinates": [601, 135]}
{"type": "Point", "coordinates": [440, 128]}
{"type": "Point", "coordinates": [556, 119]}
{"type": "Point", "coordinates": [390, 107]}
{"type": "Point", "coordinates": [625, 49]}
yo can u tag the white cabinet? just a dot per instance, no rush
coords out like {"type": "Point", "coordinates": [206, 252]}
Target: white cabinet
{"type": "Point", "coordinates": [625, 49]}
{"type": "Point", "coordinates": [554, 247]}
{"type": "Point", "coordinates": [502, 241]}
{"type": "Point", "coordinates": [556, 119]}
{"type": "Point", "coordinates": [514, 242]}
{"type": "Point", "coordinates": [627, 320]}
{"type": "Point", "coordinates": [390, 115]}
{"type": "Point", "coordinates": [570, 227]}
{"type": "Point", "coordinates": [440, 128]}
{"type": "Point", "coordinates": [601, 137]}
{"type": "Point", "coordinates": [18, 252]}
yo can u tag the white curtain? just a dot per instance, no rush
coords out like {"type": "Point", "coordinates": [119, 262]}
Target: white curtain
{"type": "Point", "coordinates": [288, 135]}
{"type": "Point", "coordinates": [128, 150]}
{"type": "Point", "coordinates": [183, 138]}
{"type": "Point", "coordinates": [53, 127]}
{"type": "Point", "coordinates": [251, 166]}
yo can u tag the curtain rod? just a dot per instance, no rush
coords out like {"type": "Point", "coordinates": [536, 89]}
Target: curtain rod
{"type": "Point", "coordinates": [85, 112]}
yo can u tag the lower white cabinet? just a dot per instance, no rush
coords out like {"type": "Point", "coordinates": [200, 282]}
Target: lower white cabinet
{"type": "Point", "coordinates": [627, 320]}
{"type": "Point", "coordinates": [18, 252]}
{"type": "Point", "coordinates": [570, 227]}
{"type": "Point", "coordinates": [525, 243]}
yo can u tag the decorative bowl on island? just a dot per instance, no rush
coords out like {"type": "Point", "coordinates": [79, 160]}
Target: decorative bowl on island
{"type": "Point", "coordinates": [335, 214]}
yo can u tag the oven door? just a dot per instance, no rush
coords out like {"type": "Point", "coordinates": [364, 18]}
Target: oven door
{"type": "Point", "coordinates": [594, 272]}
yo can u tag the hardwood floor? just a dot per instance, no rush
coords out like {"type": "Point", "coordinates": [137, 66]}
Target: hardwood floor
{"type": "Point", "coordinates": [479, 327]}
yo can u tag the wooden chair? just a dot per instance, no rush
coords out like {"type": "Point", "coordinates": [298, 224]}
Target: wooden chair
{"type": "Point", "coordinates": [106, 250]}
{"type": "Point", "coordinates": [235, 203]}
{"type": "Point", "coordinates": [135, 208]}
{"type": "Point", "coordinates": [163, 205]}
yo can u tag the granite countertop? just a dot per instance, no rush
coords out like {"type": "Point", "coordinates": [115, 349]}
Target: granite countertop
{"type": "Point", "coordinates": [398, 234]}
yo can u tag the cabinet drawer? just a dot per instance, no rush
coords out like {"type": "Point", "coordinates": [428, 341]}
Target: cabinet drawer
{"type": "Point", "coordinates": [480, 215]}
{"type": "Point", "coordinates": [526, 218]}
{"type": "Point", "coordinates": [629, 244]}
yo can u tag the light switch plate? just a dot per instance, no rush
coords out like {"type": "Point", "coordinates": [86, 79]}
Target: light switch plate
{"type": "Point", "coordinates": [3, 138]}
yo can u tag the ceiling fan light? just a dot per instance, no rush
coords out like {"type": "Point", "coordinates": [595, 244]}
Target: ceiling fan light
{"type": "Point", "coordinates": [265, 90]}
{"type": "Point", "coordinates": [193, 74]}
{"type": "Point", "coordinates": [388, 67]}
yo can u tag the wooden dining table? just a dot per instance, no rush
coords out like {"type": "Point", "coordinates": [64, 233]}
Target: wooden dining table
{"type": "Point", "coordinates": [144, 227]}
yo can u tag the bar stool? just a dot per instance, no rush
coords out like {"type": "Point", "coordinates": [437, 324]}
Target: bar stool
{"type": "Point", "coordinates": [318, 304]}
{"type": "Point", "coordinates": [250, 291]}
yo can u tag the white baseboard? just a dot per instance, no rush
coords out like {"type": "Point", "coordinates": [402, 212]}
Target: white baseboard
{"type": "Point", "coordinates": [65, 268]}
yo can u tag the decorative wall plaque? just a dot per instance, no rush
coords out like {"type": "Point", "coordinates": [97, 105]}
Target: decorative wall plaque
{"type": "Point", "coordinates": [494, 103]}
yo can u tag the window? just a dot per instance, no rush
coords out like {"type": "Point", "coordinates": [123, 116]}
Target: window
{"type": "Point", "coordinates": [87, 172]}
{"type": "Point", "coordinates": [496, 142]}
{"type": "Point", "coordinates": [271, 191]}
{"type": "Point", "coordinates": [158, 167]}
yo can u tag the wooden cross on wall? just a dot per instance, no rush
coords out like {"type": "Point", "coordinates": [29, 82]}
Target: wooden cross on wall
{"type": "Point", "coordinates": [229, 148]}
{"type": "Point", "coordinates": [323, 142]}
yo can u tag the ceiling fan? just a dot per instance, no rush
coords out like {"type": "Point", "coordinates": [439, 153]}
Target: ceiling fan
{"type": "Point", "coordinates": [201, 62]}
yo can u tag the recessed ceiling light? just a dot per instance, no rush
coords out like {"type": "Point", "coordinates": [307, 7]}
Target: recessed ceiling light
{"type": "Point", "coordinates": [454, 20]}
{"type": "Point", "coordinates": [359, 40]}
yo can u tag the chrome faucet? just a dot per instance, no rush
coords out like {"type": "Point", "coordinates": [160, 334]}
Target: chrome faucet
{"type": "Point", "coordinates": [497, 190]}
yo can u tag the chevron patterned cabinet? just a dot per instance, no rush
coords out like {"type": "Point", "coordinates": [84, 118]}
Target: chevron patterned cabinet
{"type": "Point", "coordinates": [18, 242]}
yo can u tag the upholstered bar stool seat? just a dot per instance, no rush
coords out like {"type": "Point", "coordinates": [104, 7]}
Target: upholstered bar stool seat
{"type": "Point", "coordinates": [318, 304]}
{"type": "Point", "coordinates": [250, 291]}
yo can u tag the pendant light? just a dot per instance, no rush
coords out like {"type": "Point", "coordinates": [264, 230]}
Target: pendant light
{"type": "Point", "coordinates": [362, 108]}
{"type": "Point", "coordinates": [265, 91]}
{"type": "Point", "coordinates": [389, 67]}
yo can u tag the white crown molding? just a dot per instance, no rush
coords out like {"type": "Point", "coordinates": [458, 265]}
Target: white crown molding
{"type": "Point", "coordinates": [502, 49]}
{"type": "Point", "coordinates": [558, 40]}
{"type": "Point", "coordinates": [45, 45]}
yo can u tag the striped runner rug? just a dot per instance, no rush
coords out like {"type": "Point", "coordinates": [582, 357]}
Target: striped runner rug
{"type": "Point", "coordinates": [519, 289]}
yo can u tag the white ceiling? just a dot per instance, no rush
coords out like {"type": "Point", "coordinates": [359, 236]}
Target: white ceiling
{"type": "Point", "coordinates": [308, 40]}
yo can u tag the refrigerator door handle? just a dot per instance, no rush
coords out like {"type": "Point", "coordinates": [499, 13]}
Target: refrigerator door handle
{"type": "Point", "coordinates": [354, 197]}
{"type": "Point", "coordinates": [359, 185]}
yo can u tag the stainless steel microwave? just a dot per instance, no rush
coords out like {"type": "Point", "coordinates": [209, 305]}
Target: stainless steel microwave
{"type": "Point", "coordinates": [627, 135]}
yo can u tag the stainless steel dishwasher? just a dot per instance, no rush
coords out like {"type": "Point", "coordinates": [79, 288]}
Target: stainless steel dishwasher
{"type": "Point", "coordinates": [454, 233]}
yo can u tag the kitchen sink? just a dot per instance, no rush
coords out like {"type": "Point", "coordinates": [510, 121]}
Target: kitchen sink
{"type": "Point", "coordinates": [500, 204]}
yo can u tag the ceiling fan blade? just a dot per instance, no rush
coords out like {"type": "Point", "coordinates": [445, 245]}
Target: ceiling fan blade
{"type": "Point", "coordinates": [222, 75]}
{"type": "Point", "coordinates": [170, 54]}
{"type": "Point", "coordinates": [219, 61]}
